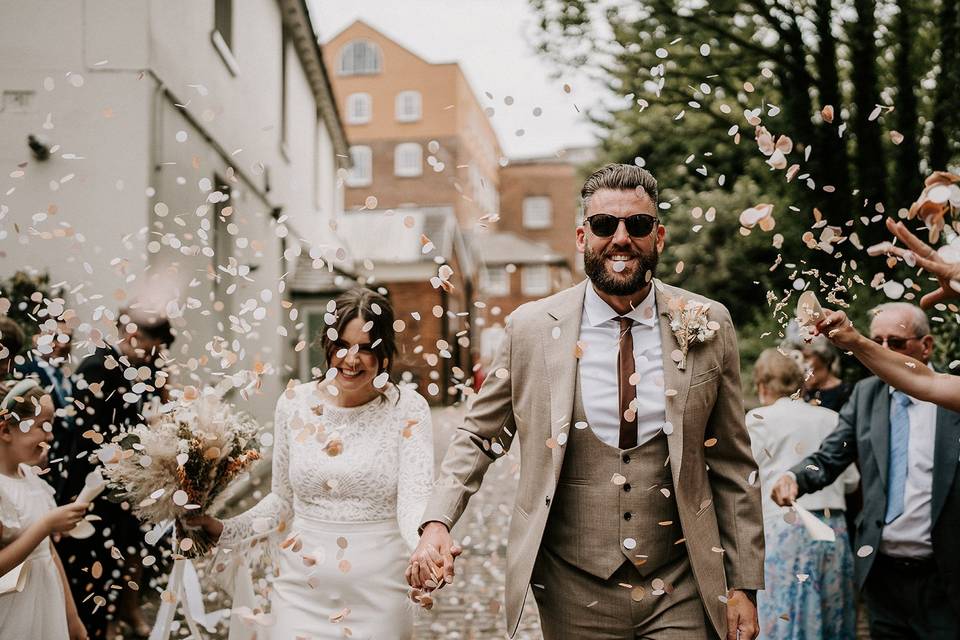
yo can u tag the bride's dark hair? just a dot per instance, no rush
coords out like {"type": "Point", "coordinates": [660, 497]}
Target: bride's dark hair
{"type": "Point", "coordinates": [372, 307]}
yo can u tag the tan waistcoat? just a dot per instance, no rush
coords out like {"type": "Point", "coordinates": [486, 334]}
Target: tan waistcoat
{"type": "Point", "coordinates": [613, 505]}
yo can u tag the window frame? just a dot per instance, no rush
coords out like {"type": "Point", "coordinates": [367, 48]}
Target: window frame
{"type": "Point", "coordinates": [351, 181]}
{"type": "Point", "coordinates": [525, 285]}
{"type": "Point", "coordinates": [529, 222]}
{"type": "Point", "coordinates": [399, 100]}
{"type": "Point", "coordinates": [222, 34]}
{"type": "Point", "coordinates": [495, 286]}
{"type": "Point", "coordinates": [351, 118]}
{"type": "Point", "coordinates": [377, 66]}
{"type": "Point", "coordinates": [397, 154]}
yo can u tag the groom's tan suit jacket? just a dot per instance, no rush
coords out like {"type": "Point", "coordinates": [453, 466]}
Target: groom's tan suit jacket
{"type": "Point", "coordinates": [529, 394]}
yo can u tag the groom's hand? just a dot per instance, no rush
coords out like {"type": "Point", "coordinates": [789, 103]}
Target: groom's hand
{"type": "Point", "coordinates": [742, 622]}
{"type": "Point", "coordinates": [431, 565]}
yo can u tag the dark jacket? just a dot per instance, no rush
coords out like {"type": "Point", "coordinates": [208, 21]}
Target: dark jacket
{"type": "Point", "coordinates": [863, 435]}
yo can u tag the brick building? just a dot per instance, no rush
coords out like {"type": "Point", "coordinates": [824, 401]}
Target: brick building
{"type": "Point", "coordinates": [424, 195]}
{"type": "Point", "coordinates": [533, 253]}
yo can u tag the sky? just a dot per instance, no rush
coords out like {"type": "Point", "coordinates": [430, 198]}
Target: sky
{"type": "Point", "coordinates": [492, 41]}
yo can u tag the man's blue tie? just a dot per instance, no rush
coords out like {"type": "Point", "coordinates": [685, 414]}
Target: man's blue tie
{"type": "Point", "coordinates": [899, 446]}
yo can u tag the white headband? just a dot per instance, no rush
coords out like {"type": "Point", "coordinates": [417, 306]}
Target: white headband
{"type": "Point", "coordinates": [18, 390]}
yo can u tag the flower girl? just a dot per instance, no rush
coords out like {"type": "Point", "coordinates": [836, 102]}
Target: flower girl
{"type": "Point", "coordinates": [34, 599]}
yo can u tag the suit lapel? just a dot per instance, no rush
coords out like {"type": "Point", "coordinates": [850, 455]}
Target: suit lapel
{"type": "Point", "coordinates": [559, 335]}
{"type": "Point", "coordinates": [673, 378]}
{"type": "Point", "coordinates": [946, 450]}
{"type": "Point", "coordinates": [880, 431]}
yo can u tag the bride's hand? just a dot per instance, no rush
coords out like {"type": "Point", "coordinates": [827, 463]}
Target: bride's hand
{"type": "Point", "coordinates": [210, 525]}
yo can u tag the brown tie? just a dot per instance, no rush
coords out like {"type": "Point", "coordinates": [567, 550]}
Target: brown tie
{"type": "Point", "coordinates": [626, 391]}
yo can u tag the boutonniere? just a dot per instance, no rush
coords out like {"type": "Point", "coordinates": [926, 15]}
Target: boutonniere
{"type": "Point", "coordinates": [690, 324]}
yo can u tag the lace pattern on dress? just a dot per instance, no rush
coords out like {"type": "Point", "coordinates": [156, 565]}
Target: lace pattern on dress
{"type": "Point", "coordinates": [357, 464]}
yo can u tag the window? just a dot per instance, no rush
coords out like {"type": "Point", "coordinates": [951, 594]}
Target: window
{"type": "Point", "coordinates": [222, 34]}
{"type": "Point", "coordinates": [361, 174]}
{"type": "Point", "coordinates": [359, 58]}
{"type": "Point", "coordinates": [408, 160]}
{"type": "Point", "coordinates": [496, 281]}
{"type": "Point", "coordinates": [359, 108]}
{"type": "Point", "coordinates": [409, 106]}
{"type": "Point", "coordinates": [284, 96]}
{"type": "Point", "coordinates": [537, 212]}
{"type": "Point", "coordinates": [535, 280]}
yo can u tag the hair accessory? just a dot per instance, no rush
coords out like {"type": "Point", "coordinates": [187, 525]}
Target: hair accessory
{"type": "Point", "coordinates": [18, 390]}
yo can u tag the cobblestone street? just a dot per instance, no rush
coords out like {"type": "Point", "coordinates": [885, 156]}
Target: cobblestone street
{"type": "Point", "coordinates": [471, 608]}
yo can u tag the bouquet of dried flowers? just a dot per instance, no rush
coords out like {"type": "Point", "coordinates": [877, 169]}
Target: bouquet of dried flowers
{"type": "Point", "coordinates": [180, 461]}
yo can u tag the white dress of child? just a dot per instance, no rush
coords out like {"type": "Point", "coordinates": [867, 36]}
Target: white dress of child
{"type": "Point", "coordinates": [39, 610]}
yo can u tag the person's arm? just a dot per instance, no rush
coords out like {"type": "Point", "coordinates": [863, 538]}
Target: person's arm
{"type": "Point", "coordinates": [74, 623]}
{"type": "Point", "coordinates": [275, 508]}
{"type": "Point", "coordinates": [486, 434]}
{"type": "Point", "coordinates": [58, 520]}
{"type": "Point", "coordinates": [837, 451]}
{"type": "Point", "coordinates": [900, 371]}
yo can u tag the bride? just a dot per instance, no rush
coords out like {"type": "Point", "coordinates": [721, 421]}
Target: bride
{"type": "Point", "coordinates": [352, 472]}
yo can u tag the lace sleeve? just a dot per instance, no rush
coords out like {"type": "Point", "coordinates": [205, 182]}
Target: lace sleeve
{"type": "Point", "coordinates": [415, 478]}
{"type": "Point", "coordinates": [266, 516]}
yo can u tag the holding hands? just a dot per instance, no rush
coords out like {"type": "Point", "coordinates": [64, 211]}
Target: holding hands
{"type": "Point", "coordinates": [431, 565]}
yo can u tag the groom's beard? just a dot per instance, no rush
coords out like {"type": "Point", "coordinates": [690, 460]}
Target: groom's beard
{"type": "Point", "coordinates": [619, 284]}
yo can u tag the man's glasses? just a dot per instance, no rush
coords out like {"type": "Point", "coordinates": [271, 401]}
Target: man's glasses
{"type": "Point", "coordinates": [638, 225]}
{"type": "Point", "coordinates": [895, 342]}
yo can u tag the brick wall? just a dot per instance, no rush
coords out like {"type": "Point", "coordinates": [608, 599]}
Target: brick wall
{"type": "Point", "coordinates": [558, 181]}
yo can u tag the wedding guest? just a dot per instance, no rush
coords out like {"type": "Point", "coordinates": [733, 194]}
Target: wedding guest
{"type": "Point", "coordinates": [42, 607]}
{"type": "Point", "coordinates": [11, 344]}
{"type": "Point", "coordinates": [897, 369]}
{"type": "Point", "coordinates": [783, 432]}
{"type": "Point", "coordinates": [352, 472]}
{"type": "Point", "coordinates": [107, 384]}
{"type": "Point", "coordinates": [47, 363]}
{"type": "Point", "coordinates": [822, 385]}
{"type": "Point", "coordinates": [908, 451]}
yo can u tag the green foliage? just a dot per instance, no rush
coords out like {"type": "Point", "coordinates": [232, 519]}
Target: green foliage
{"type": "Point", "coordinates": [683, 75]}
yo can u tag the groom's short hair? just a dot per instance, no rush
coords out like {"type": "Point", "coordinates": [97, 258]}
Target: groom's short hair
{"type": "Point", "coordinates": [618, 177]}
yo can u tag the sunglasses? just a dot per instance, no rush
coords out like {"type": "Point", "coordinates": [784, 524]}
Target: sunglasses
{"type": "Point", "coordinates": [638, 225]}
{"type": "Point", "coordinates": [895, 342]}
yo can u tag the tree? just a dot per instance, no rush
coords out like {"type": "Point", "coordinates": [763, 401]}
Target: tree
{"type": "Point", "coordinates": [838, 77]}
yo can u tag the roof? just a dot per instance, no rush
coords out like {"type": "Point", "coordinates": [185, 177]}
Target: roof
{"type": "Point", "coordinates": [296, 18]}
{"type": "Point", "coordinates": [509, 248]}
{"type": "Point", "coordinates": [394, 235]}
{"type": "Point", "coordinates": [314, 272]}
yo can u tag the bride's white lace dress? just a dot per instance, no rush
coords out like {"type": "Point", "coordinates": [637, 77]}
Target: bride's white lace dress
{"type": "Point", "coordinates": [349, 487]}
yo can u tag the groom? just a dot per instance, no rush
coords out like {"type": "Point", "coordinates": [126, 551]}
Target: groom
{"type": "Point", "coordinates": [638, 513]}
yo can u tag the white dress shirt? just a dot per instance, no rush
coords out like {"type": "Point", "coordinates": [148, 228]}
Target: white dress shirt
{"type": "Point", "coordinates": [600, 337]}
{"type": "Point", "coordinates": [781, 435]}
{"type": "Point", "coordinates": [909, 536]}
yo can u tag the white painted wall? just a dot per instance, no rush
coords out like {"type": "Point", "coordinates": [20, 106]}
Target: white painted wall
{"type": "Point", "coordinates": [136, 91]}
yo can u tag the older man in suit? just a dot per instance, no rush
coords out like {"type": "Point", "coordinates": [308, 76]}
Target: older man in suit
{"type": "Point", "coordinates": [637, 513]}
{"type": "Point", "coordinates": [907, 451]}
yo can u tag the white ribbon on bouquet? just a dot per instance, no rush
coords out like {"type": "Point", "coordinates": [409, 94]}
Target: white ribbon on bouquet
{"type": "Point", "coordinates": [184, 586]}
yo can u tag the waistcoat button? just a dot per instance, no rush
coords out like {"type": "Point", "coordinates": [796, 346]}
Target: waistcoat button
{"type": "Point", "coordinates": [627, 515]}
{"type": "Point", "coordinates": [626, 458]}
{"type": "Point", "coordinates": [626, 487]}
